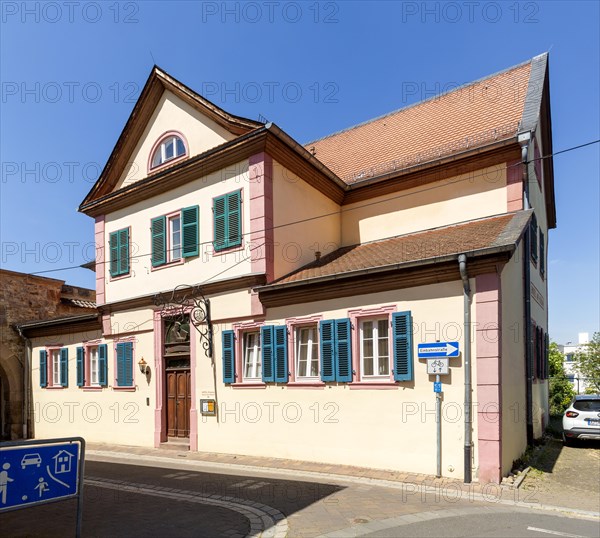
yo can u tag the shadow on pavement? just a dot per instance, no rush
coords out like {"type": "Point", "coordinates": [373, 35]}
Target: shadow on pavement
{"type": "Point", "coordinates": [115, 511]}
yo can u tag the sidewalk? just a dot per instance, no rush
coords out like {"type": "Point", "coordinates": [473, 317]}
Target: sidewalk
{"type": "Point", "coordinates": [411, 484]}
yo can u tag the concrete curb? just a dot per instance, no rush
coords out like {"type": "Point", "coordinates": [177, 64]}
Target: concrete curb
{"type": "Point", "coordinates": [521, 477]}
{"type": "Point", "coordinates": [409, 488]}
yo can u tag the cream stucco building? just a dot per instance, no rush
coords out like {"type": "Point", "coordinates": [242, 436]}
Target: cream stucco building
{"type": "Point", "coordinates": [257, 296]}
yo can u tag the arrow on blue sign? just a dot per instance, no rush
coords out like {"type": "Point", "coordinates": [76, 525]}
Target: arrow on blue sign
{"type": "Point", "coordinates": [438, 349]}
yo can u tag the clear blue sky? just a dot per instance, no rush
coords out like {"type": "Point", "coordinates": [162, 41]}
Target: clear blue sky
{"type": "Point", "coordinates": [70, 75]}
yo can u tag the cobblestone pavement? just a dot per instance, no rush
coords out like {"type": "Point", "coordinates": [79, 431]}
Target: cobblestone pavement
{"type": "Point", "coordinates": [566, 476]}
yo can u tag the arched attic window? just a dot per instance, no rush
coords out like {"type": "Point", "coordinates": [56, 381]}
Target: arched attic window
{"type": "Point", "coordinates": [169, 147]}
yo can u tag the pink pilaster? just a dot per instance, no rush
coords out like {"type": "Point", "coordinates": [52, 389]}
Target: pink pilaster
{"type": "Point", "coordinates": [514, 186]}
{"type": "Point", "coordinates": [261, 220]}
{"type": "Point", "coordinates": [488, 347]}
{"type": "Point", "coordinates": [100, 260]}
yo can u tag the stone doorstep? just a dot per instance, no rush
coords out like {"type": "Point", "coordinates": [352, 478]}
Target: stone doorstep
{"type": "Point", "coordinates": [289, 465]}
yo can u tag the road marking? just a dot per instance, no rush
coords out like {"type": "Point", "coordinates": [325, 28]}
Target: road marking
{"type": "Point", "coordinates": [264, 520]}
{"type": "Point", "coordinates": [555, 533]}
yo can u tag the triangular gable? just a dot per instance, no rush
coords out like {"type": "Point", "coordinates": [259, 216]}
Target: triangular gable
{"type": "Point", "coordinates": [159, 85]}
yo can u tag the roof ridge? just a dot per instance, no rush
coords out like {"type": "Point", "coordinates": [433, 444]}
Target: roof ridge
{"type": "Point", "coordinates": [437, 96]}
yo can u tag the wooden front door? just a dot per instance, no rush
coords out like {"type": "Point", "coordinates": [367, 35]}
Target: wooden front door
{"type": "Point", "coordinates": [178, 402]}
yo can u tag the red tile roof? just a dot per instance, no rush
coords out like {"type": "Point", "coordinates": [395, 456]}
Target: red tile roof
{"type": "Point", "coordinates": [486, 234]}
{"type": "Point", "coordinates": [478, 113]}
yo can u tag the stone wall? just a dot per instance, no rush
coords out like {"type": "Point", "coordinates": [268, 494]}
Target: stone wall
{"type": "Point", "coordinates": [27, 298]}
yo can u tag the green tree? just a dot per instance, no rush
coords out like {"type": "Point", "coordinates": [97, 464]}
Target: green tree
{"type": "Point", "coordinates": [561, 390]}
{"type": "Point", "coordinates": [587, 360]}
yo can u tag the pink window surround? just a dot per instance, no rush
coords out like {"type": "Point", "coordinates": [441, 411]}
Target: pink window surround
{"type": "Point", "coordinates": [133, 387]}
{"type": "Point", "coordinates": [240, 329]}
{"type": "Point", "coordinates": [130, 273]}
{"type": "Point", "coordinates": [169, 246]}
{"type": "Point", "coordinates": [514, 186]}
{"type": "Point", "coordinates": [488, 350]}
{"type": "Point", "coordinates": [157, 144]}
{"type": "Point", "coordinates": [50, 367]}
{"type": "Point", "coordinates": [293, 324]}
{"type": "Point", "coordinates": [101, 260]}
{"type": "Point", "coordinates": [160, 411]}
{"type": "Point", "coordinates": [356, 316]}
{"type": "Point", "coordinates": [260, 171]}
{"type": "Point", "coordinates": [87, 372]}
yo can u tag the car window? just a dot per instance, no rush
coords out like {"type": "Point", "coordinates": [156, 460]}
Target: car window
{"type": "Point", "coordinates": [587, 405]}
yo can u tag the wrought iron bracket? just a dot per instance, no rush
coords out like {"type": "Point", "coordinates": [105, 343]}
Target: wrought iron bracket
{"type": "Point", "coordinates": [186, 300]}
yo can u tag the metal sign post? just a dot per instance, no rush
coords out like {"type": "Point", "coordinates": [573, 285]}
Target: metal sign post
{"type": "Point", "coordinates": [438, 422]}
{"type": "Point", "coordinates": [41, 472]}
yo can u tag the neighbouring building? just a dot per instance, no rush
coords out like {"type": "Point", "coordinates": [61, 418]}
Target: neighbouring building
{"type": "Point", "coordinates": [569, 350]}
{"type": "Point", "coordinates": [263, 297]}
{"type": "Point", "coordinates": [24, 298]}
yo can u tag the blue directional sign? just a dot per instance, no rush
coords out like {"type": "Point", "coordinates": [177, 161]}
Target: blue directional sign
{"type": "Point", "coordinates": [437, 386]}
{"type": "Point", "coordinates": [38, 472]}
{"type": "Point", "coordinates": [438, 349]}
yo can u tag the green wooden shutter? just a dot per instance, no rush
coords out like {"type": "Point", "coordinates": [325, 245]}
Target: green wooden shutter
{"type": "Point", "coordinates": [326, 341]}
{"type": "Point", "coordinates": [546, 355]}
{"type": "Point", "coordinates": [220, 222]}
{"type": "Point", "coordinates": [114, 253]}
{"type": "Point", "coordinates": [542, 253]}
{"type": "Point", "coordinates": [533, 237]}
{"type": "Point", "coordinates": [267, 350]}
{"type": "Point", "coordinates": [234, 219]}
{"type": "Point", "coordinates": [128, 364]}
{"type": "Point", "coordinates": [80, 367]}
{"type": "Point", "coordinates": [43, 368]}
{"type": "Point", "coordinates": [343, 350]}
{"type": "Point", "coordinates": [159, 241]}
{"type": "Point", "coordinates": [124, 251]}
{"type": "Point", "coordinates": [228, 357]}
{"type": "Point", "coordinates": [281, 354]}
{"type": "Point", "coordinates": [120, 365]}
{"type": "Point", "coordinates": [102, 365]}
{"type": "Point", "coordinates": [64, 367]}
{"type": "Point", "coordinates": [403, 349]}
{"type": "Point", "coordinates": [189, 231]}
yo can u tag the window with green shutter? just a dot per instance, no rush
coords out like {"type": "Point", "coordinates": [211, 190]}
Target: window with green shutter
{"type": "Point", "coordinates": [228, 357]}
{"type": "Point", "coordinates": [542, 254]}
{"type": "Point", "coordinates": [119, 252]}
{"type": "Point", "coordinates": [124, 352]}
{"type": "Point", "coordinates": [64, 367]}
{"type": "Point", "coordinates": [227, 220]}
{"type": "Point", "coordinates": [159, 241]}
{"type": "Point", "coordinates": [403, 348]}
{"type": "Point", "coordinates": [43, 368]}
{"type": "Point", "coordinates": [189, 220]}
{"type": "Point", "coordinates": [80, 367]}
{"type": "Point", "coordinates": [533, 237]}
{"type": "Point", "coordinates": [336, 350]}
{"type": "Point", "coordinates": [175, 236]}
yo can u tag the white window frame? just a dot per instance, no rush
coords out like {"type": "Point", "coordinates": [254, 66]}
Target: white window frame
{"type": "Point", "coordinates": [172, 246]}
{"type": "Point", "coordinates": [94, 365]}
{"type": "Point", "coordinates": [55, 358]}
{"type": "Point", "coordinates": [256, 365]}
{"type": "Point", "coordinates": [375, 339]}
{"type": "Point", "coordinates": [310, 345]}
{"type": "Point", "coordinates": [162, 149]}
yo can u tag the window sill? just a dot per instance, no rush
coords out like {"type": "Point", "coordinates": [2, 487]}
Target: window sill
{"type": "Point", "coordinates": [124, 389]}
{"type": "Point", "coordinates": [227, 250]}
{"type": "Point", "coordinates": [249, 385]}
{"type": "Point", "coordinates": [306, 385]}
{"type": "Point", "coordinates": [119, 277]}
{"type": "Point", "coordinates": [373, 385]}
{"type": "Point", "coordinates": [56, 387]}
{"type": "Point", "coordinates": [180, 261]}
{"type": "Point", "coordinates": [92, 388]}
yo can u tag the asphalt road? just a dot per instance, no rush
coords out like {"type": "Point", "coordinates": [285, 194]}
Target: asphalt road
{"type": "Point", "coordinates": [514, 525]}
{"type": "Point", "coordinates": [145, 501]}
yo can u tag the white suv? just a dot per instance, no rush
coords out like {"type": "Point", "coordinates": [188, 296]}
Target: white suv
{"type": "Point", "coordinates": [582, 419]}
